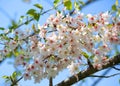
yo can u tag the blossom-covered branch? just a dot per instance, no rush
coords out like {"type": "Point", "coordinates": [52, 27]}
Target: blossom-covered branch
{"type": "Point", "coordinates": [64, 42]}
{"type": "Point", "coordinates": [81, 75]}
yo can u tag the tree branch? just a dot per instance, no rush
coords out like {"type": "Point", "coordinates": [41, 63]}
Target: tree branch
{"type": "Point", "coordinates": [28, 21]}
{"type": "Point", "coordinates": [90, 70]}
{"type": "Point", "coordinates": [98, 80]}
{"type": "Point", "coordinates": [104, 76]}
{"type": "Point", "coordinates": [116, 68]}
{"type": "Point", "coordinates": [87, 3]}
{"type": "Point", "coordinates": [16, 82]}
{"type": "Point", "coordinates": [50, 81]}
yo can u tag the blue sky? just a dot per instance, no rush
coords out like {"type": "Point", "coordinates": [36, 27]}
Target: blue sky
{"type": "Point", "coordinates": [13, 9]}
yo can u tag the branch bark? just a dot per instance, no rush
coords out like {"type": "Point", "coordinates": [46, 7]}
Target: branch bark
{"type": "Point", "coordinates": [50, 81]}
{"type": "Point", "coordinates": [90, 70]}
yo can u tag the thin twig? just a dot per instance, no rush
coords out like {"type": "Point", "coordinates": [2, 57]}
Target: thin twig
{"type": "Point", "coordinates": [19, 79]}
{"type": "Point", "coordinates": [86, 3]}
{"type": "Point", "coordinates": [116, 68]}
{"type": "Point", "coordinates": [33, 18]}
{"type": "Point", "coordinates": [98, 80]}
{"type": "Point", "coordinates": [105, 76]}
{"type": "Point", "coordinates": [15, 82]}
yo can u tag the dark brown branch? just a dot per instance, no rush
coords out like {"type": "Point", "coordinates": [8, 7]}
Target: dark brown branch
{"type": "Point", "coordinates": [50, 81]}
{"type": "Point", "coordinates": [90, 70]}
{"type": "Point", "coordinates": [89, 63]}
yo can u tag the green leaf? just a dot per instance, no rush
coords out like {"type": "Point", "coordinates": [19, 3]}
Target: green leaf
{"type": "Point", "coordinates": [68, 4]}
{"type": "Point", "coordinates": [81, 2]}
{"type": "Point", "coordinates": [13, 26]}
{"type": "Point", "coordinates": [34, 14]}
{"type": "Point", "coordinates": [77, 6]}
{"type": "Point", "coordinates": [56, 2]}
{"type": "Point", "coordinates": [52, 58]}
{"type": "Point", "coordinates": [118, 11]}
{"type": "Point", "coordinates": [31, 12]}
{"type": "Point", "coordinates": [14, 75]}
{"type": "Point", "coordinates": [114, 8]}
{"type": "Point", "coordinates": [37, 16]}
{"type": "Point", "coordinates": [9, 54]}
{"type": "Point", "coordinates": [92, 56]}
{"type": "Point", "coordinates": [16, 53]}
{"type": "Point", "coordinates": [6, 77]}
{"type": "Point", "coordinates": [1, 28]}
{"type": "Point", "coordinates": [85, 54]}
{"type": "Point", "coordinates": [21, 19]}
{"type": "Point", "coordinates": [16, 38]}
{"type": "Point", "coordinates": [38, 6]}
{"type": "Point", "coordinates": [34, 28]}
{"type": "Point", "coordinates": [89, 25]}
{"type": "Point", "coordinates": [116, 3]}
{"type": "Point", "coordinates": [4, 36]}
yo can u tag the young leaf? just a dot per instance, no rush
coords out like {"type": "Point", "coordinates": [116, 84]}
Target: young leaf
{"type": "Point", "coordinates": [5, 77]}
{"type": "Point", "coordinates": [68, 4]}
{"type": "Point", "coordinates": [81, 2]}
{"type": "Point", "coordinates": [116, 3]}
{"type": "Point", "coordinates": [34, 14]}
{"type": "Point", "coordinates": [31, 12]}
{"type": "Point", "coordinates": [77, 6]}
{"type": "Point", "coordinates": [9, 54]}
{"type": "Point", "coordinates": [5, 37]}
{"type": "Point", "coordinates": [16, 53]}
{"type": "Point", "coordinates": [33, 27]}
{"type": "Point", "coordinates": [37, 16]}
{"type": "Point", "coordinates": [85, 54]}
{"type": "Point", "coordinates": [21, 18]}
{"type": "Point", "coordinates": [38, 6]}
{"type": "Point", "coordinates": [14, 75]}
{"type": "Point", "coordinates": [56, 2]}
{"type": "Point", "coordinates": [114, 8]}
{"type": "Point", "coordinates": [1, 28]}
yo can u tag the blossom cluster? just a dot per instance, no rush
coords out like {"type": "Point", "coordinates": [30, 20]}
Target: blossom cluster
{"type": "Point", "coordinates": [61, 42]}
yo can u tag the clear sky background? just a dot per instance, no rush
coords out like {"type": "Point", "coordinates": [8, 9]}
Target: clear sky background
{"type": "Point", "coordinates": [13, 9]}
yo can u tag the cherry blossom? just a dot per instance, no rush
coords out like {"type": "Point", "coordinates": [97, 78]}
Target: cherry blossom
{"type": "Point", "coordinates": [61, 43]}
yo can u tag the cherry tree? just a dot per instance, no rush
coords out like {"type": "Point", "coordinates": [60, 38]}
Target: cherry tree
{"type": "Point", "coordinates": [68, 39]}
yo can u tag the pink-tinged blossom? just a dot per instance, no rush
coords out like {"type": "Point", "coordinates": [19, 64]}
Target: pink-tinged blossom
{"type": "Point", "coordinates": [73, 67]}
{"type": "Point", "coordinates": [60, 43]}
{"type": "Point", "coordinates": [12, 44]}
{"type": "Point", "coordinates": [27, 76]}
